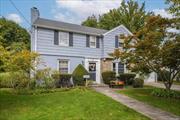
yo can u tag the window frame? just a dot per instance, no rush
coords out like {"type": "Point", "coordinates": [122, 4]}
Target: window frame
{"type": "Point", "coordinates": [60, 38]}
{"type": "Point", "coordinates": [90, 41]}
{"type": "Point", "coordinates": [119, 69]}
{"type": "Point", "coordinates": [68, 65]}
{"type": "Point", "coordinates": [120, 41]}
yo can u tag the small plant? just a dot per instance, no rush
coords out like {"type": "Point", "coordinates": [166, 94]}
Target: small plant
{"type": "Point", "coordinates": [138, 83]}
{"type": "Point", "coordinates": [78, 74]}
{"type": "Point", "coordinates": [108, 76]}
{"type": "Point", "coordinates": [165, 93]}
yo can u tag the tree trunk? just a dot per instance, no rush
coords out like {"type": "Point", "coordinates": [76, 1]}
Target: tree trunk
{"type": "Point", "coordinates": [168, 85]}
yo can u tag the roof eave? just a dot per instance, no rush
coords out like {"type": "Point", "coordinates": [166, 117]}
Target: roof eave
{"type": "Point", "coordinates": [69, 30]}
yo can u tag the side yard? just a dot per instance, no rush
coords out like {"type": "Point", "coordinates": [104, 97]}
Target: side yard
{"type": "Point", "coordinates": [144, 94]}
{"type": "Point", "coordinates": [70, 104]}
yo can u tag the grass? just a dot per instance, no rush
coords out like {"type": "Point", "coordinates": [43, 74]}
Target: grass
{"type": "Point", "coordinates": [144, 95]}
{"type": "Point", "coordinates": [73, 104]}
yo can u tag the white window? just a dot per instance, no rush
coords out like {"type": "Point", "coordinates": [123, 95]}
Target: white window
{"type": "Point", "coordinates": [63, 66]}
{"type": "Point", "coordinates": [64, 38]}
{"type": "Point", "coordinates": [121, 40]}
{"type": "Point", "coordinates": [92, 41]}
{"type": "Point", "coordinates": [120, 67]}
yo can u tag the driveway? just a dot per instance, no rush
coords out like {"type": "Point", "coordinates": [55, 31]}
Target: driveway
{"type": "Point", "coordinates": [161, 85]}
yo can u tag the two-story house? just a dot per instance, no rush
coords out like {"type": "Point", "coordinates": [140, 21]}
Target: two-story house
{"type": "Point", "coordinates": [62, 46]}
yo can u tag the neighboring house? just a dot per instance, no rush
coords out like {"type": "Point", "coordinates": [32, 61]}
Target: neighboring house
{"type": "Point", "coordinates": [62, 46]}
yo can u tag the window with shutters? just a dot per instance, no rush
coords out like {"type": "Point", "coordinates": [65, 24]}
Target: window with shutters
{"type": "Point", "coordinates": [92, 42]}
{"type": "Point", "coordinates": [63, 66]}
{"type": "Point", "coordinates": [64, 38]}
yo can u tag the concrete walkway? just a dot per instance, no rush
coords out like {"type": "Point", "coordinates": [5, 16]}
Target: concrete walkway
{"type": "Point", "coordinates": [161, 85]}
{"type": "Point", "coordinates": [147, 110]}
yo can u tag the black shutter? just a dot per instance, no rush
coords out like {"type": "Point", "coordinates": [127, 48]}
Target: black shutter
{"type": "Point", "coordinates": [70, 39]}
{"type": "Point", "coordinates": [116, 42]}
{"type": "Point", "coordinates": [56, 37]}
{"type": "Point", "coordinates": [87, 40]}
{"type": "Point", "coordinates": [97, 42]}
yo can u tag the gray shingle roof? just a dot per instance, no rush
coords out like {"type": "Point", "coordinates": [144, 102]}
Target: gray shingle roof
{"type": "Point", "coordinates": [58, 25]}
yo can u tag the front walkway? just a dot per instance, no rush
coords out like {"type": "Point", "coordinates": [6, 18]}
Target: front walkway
{"type": "Point", "coordinates": [161, 85]}
{"type": "Point", "coordinates": [147, 110]}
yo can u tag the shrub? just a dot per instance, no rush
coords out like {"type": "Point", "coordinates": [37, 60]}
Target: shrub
{"type": "Point", "coordinates": [138, 82]}
{"type": "Point", "coordinates": [128, 78]}
{"type": "Point", "coordinates": [44, 79]}
{"type": "Point", "coordinates": [65, 81]}
{"type": "Point", "coordinates": [20, 79]}
{"type": "Point", "coordinates": [165, 93]}
{"type": "Point", "coordinates": [108, 76]}
{"type": "Point", "coordinates": [5, 80]}
{"type": "Point", "coordinates": [78, 74]}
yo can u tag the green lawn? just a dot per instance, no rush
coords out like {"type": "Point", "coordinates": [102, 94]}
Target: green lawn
{"type": "Point", "coordinates": [144, 95]}
{"type": "Point", "coordinates": [74, 104]}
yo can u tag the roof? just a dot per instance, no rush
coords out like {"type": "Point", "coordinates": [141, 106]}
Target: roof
{"type": "Point", "coordinates": [58, 25]}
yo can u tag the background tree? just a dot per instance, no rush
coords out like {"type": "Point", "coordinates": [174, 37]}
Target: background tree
{"type": "Point", "coordinates": [174, 7]}
{"type": "Point", "coordinates": [154, 49]}
{"type": "Point", "coordinates": [91, 21]}
{"type": "Point", "coordinates": [10, 32]}
{"type": "Point", "coordinates": [130, 14]}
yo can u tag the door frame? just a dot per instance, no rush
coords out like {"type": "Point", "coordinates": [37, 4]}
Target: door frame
{"type": "Point", "coordinates": [98, 70]}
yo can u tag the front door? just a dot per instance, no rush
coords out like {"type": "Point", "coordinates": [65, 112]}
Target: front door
{"type": "Point", "coordinates": [92, 70]}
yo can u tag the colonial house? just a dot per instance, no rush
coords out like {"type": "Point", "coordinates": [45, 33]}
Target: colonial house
{"type": "Point", "coordinates": [62, 46]}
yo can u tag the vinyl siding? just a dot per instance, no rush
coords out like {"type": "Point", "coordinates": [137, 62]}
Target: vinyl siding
{"type": "Point", "coordinates": [51, 61]}
{"type": "Point", "coordinates": [109, 40]}
{"type": "Point", "coordinates": [45, 45]}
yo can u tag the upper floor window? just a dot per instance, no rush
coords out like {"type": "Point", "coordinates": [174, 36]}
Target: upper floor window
{"type": "Point", "coordinates": [92, 41]}
{"type": "Point", "coordinates": [64, 38]}
{"type": "Point", "coordinates": [121, 40]}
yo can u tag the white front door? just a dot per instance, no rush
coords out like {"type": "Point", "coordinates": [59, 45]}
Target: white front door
{"type": "Point", "coordinates": [93, 67]}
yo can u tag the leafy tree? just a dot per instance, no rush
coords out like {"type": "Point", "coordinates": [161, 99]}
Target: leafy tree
{"type": "Point", "coordinates": [174, 7]}
{"type": "Point", "coordinates": [132, 15]}
{"type": "Point", "coordinates": [10, 32]}
{"type": "Point", "coordinates": [91, 21]}
{"type": "Point", "coordinates": [154, 49]}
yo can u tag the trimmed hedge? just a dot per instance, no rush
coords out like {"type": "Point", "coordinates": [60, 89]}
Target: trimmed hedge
{"type": "Point", "coordinates": [108, 76]}
{"type": "Point", "coordinates": [138, 83]}
{"type": "Point", "coordinates": [78, 74]}
{"type": "Point", "coordinates": [128, 78]}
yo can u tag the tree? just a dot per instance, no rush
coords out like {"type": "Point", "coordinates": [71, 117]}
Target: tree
{"type": "Point", "coordinates": [132, 15]}
{"type": "Point", "coordinates": [91, 21]}
{"type": "Point", "coordinates": [174, 7]}
{"type": "Point", "coordinates": [10, 32]}
{"type": "Point", "coordinates": [154, 49]}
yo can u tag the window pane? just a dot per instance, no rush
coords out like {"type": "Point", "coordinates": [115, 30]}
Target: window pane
{"type": "Point", "coordinates": [92, 41]}
{"type": "Point", "coordinates": [63, 38]}
{"type": "Point", "coordinates": [63, 66]}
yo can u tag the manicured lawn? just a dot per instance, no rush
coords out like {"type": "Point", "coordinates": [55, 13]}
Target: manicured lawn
{"type": "Point", "coordinates": [144, 95]}
{"type": "Point", "coordinates": [73, 104]}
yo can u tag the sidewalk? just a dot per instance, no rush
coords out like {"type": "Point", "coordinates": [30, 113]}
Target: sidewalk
{"type": "Point", "coordinates": [147, 110]}
{"type": "Point", "coordinates": [161, 85]}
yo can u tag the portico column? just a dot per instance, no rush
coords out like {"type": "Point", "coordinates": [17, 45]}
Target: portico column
{"type": "Point", "coordinates": [116, 66]}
